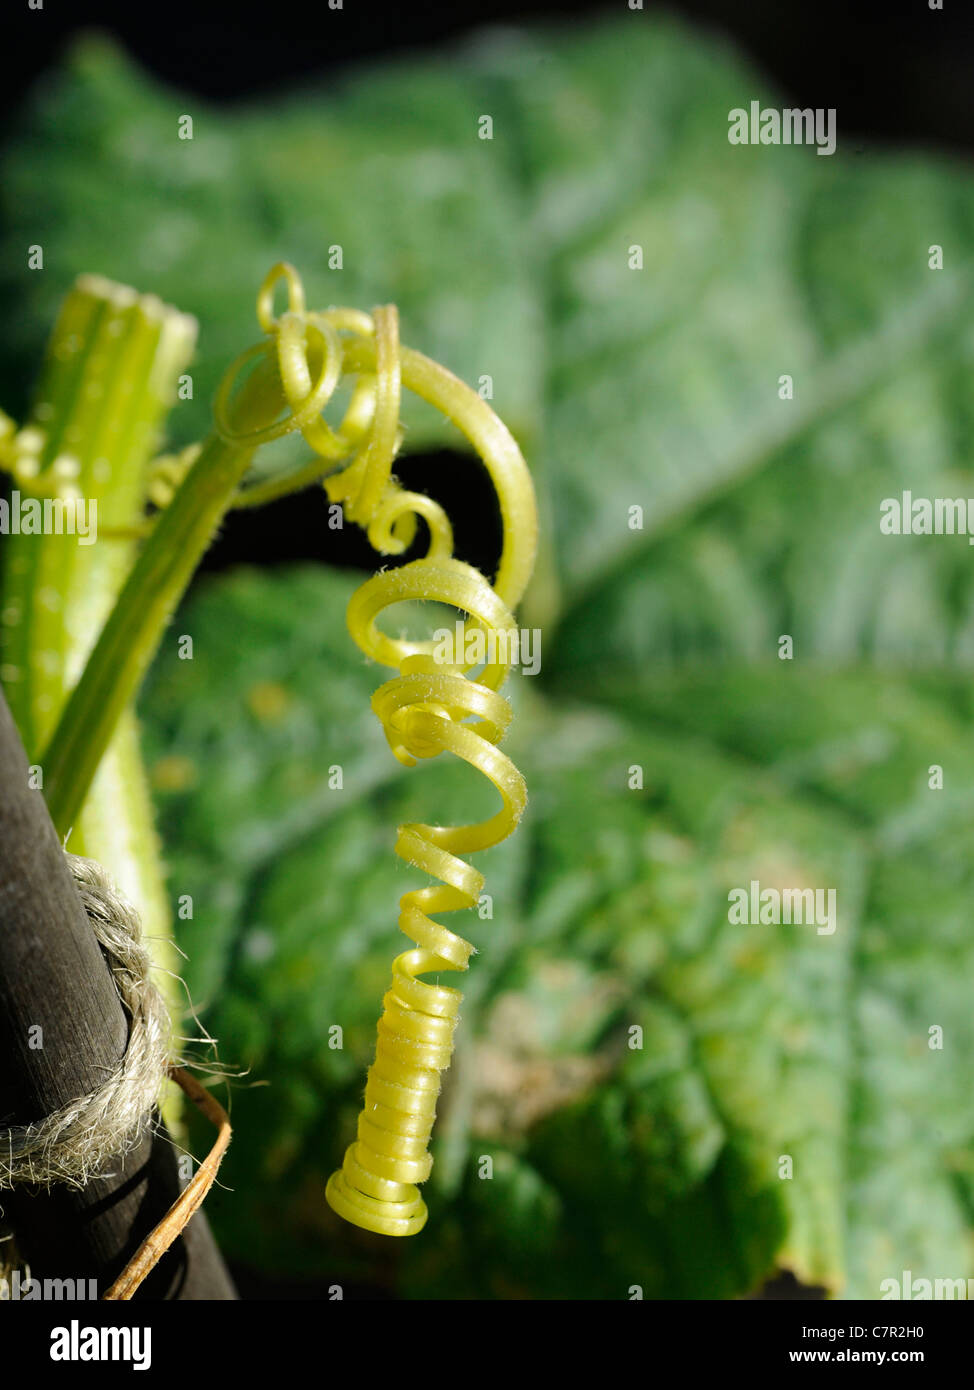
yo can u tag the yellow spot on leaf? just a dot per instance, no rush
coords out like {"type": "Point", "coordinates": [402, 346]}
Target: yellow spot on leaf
{"type": "Point", "coordinates": [268, 701]}
{"type": "Point", "coordinates": [174, 773]}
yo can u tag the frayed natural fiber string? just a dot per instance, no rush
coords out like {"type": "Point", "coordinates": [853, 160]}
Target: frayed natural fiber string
{"type": "Point", "coordinates": [74, 1143]}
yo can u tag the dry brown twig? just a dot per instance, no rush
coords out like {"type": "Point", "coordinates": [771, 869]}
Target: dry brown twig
{"type": "Point", "coordinates": [158, 1241]}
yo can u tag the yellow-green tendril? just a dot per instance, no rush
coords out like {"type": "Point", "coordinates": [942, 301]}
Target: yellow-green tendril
{"type": "Point", "coordinates": [288, 379]}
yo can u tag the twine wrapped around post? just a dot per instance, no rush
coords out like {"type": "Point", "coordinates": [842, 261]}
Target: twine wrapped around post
{"type": "Point", "coordinates": [74, 1143]}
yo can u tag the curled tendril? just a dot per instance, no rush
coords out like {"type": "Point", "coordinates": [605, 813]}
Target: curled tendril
{"type": "Point", "coordinates": [282, 385]}
{"type": "Point", "coordinates": [294, 374]}
{"type": "Point", "coordinates": [297, 370]}
{"type": "Point", "coordinates": [428, 707]}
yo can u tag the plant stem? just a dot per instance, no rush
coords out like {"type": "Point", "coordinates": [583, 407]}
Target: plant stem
{"type": "Point", "coordinates": [108, 381]}
{"type": "Point", "coordinates": [132, 634]}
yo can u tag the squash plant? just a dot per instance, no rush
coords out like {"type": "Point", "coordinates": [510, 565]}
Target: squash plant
{"type": "Point", "coordinates": [696, 516]}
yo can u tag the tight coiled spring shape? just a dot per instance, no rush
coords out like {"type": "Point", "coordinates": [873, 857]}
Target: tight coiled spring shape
{"type": "Point", "coordinates": [428, 708]}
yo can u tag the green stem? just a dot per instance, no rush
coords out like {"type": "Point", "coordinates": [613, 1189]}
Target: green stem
{"type": "Point", "coordinates": [259, 494]}
{"type": "Point", "coordinates": [132, 634]}
{"type": "Point", "coordinates": [106, 387]}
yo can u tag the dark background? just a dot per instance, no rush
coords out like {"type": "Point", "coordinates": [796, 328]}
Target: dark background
{"type": "Point", "coordinates": [896, 72]}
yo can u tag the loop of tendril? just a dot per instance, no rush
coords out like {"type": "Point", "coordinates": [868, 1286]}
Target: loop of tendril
{"type": "Point", "coordinates": [295, 374]}
{"type": "Point", "coordinates": [283, 385]}
{"type": "Point", "coordinates": [430, 706]}
{"type": "Point", "coordinates": [423, 712]}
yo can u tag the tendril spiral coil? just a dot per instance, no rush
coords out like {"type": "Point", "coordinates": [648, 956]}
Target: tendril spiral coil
{"type": "Point", "coordinates": [429, 707]}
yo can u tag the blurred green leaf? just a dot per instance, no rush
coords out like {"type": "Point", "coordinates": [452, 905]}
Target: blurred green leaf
{"type": "Point", "coordinates": [387, 167]}
{"type": "Point", "coordinates": [655, 1166]}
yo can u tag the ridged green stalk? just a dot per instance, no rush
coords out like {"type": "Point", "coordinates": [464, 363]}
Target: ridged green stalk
{"type": "Point", "coordinates": [109, 378]}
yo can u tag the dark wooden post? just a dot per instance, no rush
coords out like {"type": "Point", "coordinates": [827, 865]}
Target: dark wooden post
{"type": "Point", "coordinates": [53, 974]}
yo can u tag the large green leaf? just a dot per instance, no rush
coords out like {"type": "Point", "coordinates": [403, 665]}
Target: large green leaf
{"type": "Point", "coordinates": [509, 258]}
{"type": "Point", "coordinates": [613, 1165]}
{"type": "Point", "coordinates": [388, 167]}
{"type": "Point", "coordinates": [658, 388]}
